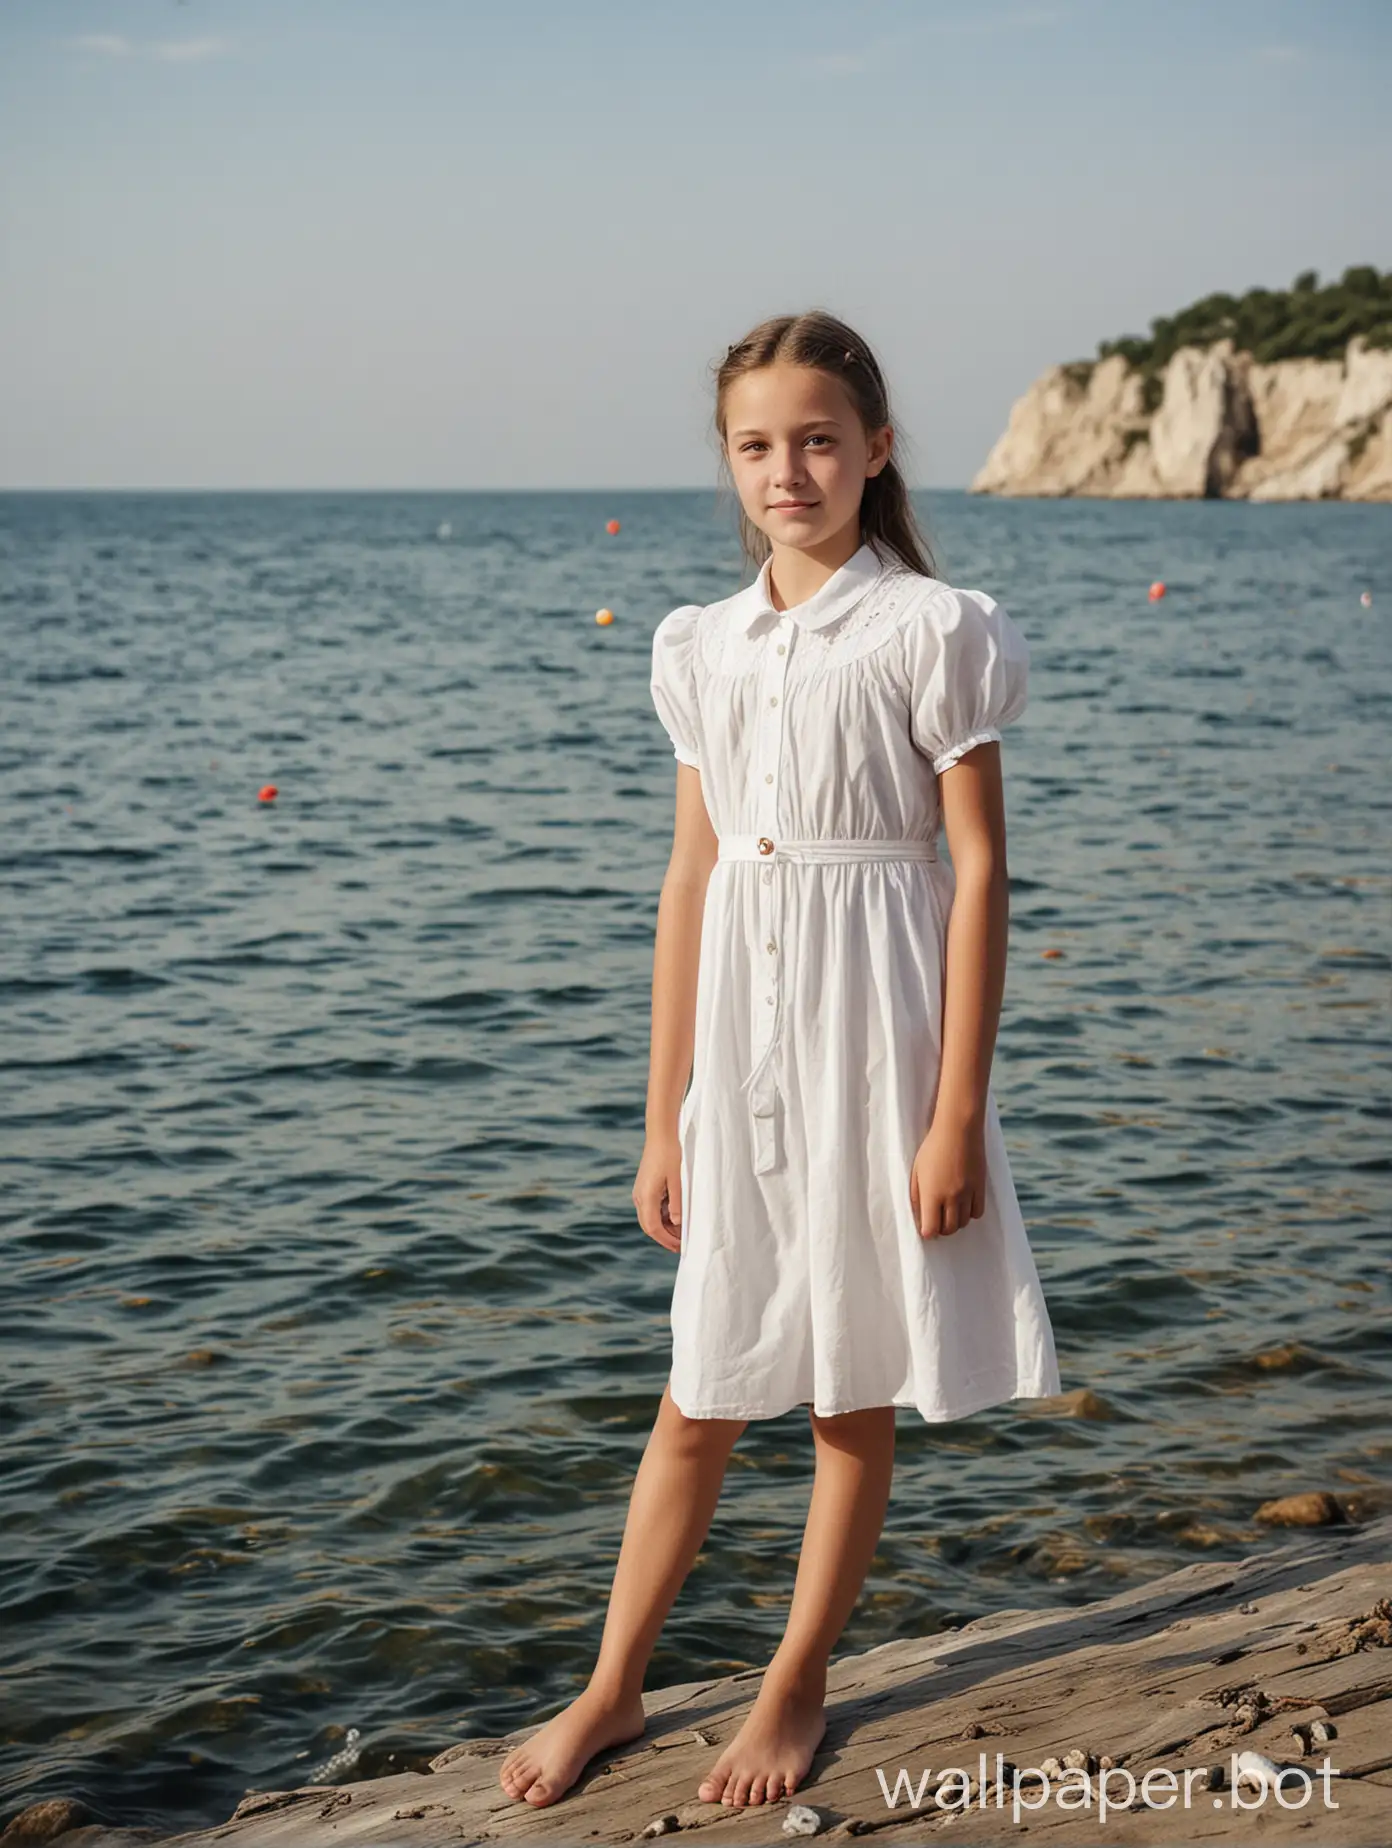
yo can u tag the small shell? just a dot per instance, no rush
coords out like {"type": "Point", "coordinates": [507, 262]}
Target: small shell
{"type": "Point", "coordinates": [1051, 1768]}
{"type": "Point", "coordinates": [1079, 1760]}
{"type": "Point", "coordinates": [662, 1825]}
{"type": "Point", "coordinates": [1106, 1762]}
{"type": "Point", "coordinates": [802, 1819]}
{"type": "Point", "coordinates": [701, 1738]}
{"type": "Point", "coordinates": [1323, 1731]}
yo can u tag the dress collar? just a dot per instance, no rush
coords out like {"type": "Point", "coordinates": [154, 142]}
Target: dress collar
{"type": "Point", "coordinates": [841, 590]}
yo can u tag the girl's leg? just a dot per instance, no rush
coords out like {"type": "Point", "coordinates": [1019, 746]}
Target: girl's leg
{"type": "Point", "coordinates": [674, 1497]}
{"type": "Point", "coordinates": [772, 1750]}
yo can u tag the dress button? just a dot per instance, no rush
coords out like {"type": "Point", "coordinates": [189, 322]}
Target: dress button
{"type": "Point", "coordinates": [769, 999]}
{"type": "Point", "coordinates": [782, 648]}
{"type": "Point", "coordinates": [765, 844]}
{"type": "Point", "coordinates": [770, 946]}
{"type": "Point", "coordinates": [768, 777]}
{"type": "Point", "coordinates": [773, 699]}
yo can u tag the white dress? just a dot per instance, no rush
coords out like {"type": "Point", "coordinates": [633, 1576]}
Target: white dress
{"type": "Point", "coordinates": [803, 1279]}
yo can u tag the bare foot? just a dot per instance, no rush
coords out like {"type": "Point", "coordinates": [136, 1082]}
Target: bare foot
{"type": "Point", "coordinates": [545, 1766]}
{"type": "Point", "coordinates": [770, 1753]}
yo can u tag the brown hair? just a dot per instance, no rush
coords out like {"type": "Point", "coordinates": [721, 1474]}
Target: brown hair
{"type": "Point", "coordinates": [819, 340]}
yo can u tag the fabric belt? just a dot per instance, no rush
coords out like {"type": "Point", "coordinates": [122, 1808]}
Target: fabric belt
{"type": "Point", "coordinates": [760, 847]}
{"type": "Point", "coordinates": [767, 1003]}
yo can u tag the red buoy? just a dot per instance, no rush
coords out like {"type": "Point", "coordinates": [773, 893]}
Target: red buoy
{"type": "Point", "coordinates": [1157, 591]}
{"type": "Point", "coordinates": [611, 526]}
{"type": "Point", "coordinates": [267, 793]}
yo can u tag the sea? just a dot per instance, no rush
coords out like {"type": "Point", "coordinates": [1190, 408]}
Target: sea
{"type": "Point", "coordinates": [331, 1342]}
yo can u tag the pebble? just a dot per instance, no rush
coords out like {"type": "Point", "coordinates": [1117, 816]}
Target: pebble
{"type": "Point", "coordinates": [701, 1738]}
{"type": "Point", "coordinates": [1079, 1760]}
{"type": "Point", "coordinates": [662, 1825]}
{"type": "Point", "coordinates": [1323, 1731]}
{"type": "Point", "coordinates": [1051, 1768]}
{"type": "Point", "coordinates": [801, 1819]}
{"type": "Point", "coordinates": [1256, 1768]}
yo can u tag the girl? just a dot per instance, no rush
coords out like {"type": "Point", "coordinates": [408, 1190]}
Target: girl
{"type": "Point", "coordinates": [835, 1179]}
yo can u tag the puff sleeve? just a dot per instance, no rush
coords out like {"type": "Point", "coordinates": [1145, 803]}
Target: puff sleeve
{"type": "Point", "coordinates": [673, 683]}
{"type": "Point", "coordinates": [968, 671]}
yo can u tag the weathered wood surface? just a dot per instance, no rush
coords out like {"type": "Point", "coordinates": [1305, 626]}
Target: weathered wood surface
{"type": "Point", "coordinates": [1215, 1659]}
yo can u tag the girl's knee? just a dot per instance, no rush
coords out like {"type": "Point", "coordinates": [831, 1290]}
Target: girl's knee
{"type": "Point", "coordinates": [699, 1436]}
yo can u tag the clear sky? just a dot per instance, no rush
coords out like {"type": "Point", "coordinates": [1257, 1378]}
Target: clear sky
{"type": "Point", "coordinates": [431, 243]}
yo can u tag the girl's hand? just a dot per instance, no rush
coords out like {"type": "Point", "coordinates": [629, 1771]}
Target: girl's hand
{"type": "Point", "coordinates": [657, 1190]}
{"type": "Point", "coordinates": [947, 1187]}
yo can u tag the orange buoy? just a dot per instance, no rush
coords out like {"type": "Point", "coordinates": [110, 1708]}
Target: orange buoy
{"type": "Point", "coordinates": [1157, 591]}
{"type": "Point", "coordinates": [604, 618]}
{"type": "Point", "coordinates": [611, 526]}
{"type": "Point", "coordinates": [1366, 599]}
{"type": "Point", "coordinates": [267, 793]}
{"type": "Point", "coordinates": [1050, 955]}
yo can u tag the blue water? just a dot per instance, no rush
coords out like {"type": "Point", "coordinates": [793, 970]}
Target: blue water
{"type": "Point", "coordinates": [331, 1341]}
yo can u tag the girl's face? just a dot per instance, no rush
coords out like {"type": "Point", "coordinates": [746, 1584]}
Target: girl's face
{"type": "Point", "coordinates": [799, 454]}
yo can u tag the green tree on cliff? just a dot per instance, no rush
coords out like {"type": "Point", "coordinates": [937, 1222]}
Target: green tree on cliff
{"type": "Point", "coordinates": [1302, 322]}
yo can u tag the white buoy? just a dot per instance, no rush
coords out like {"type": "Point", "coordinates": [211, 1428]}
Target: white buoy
{"type": "Point", "coordinates": [443, 530]}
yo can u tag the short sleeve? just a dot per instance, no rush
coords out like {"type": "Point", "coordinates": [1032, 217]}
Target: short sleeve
{"type": "Point", "coordinates": [674, 681]}
{"type": "Point", "coordinates": [968, 673]}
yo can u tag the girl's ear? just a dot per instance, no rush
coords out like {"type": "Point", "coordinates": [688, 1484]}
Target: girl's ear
{"type": "Point", "coordinates": [881, 447]}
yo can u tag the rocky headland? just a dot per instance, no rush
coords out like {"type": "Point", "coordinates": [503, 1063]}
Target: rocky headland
{"type": "Point", "coordinates": [1267, 397]}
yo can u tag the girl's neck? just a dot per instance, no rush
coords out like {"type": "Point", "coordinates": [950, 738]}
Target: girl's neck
{"type": "Point", "coordinates": [797, 574]}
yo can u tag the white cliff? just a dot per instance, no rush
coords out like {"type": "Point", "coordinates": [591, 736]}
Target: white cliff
{"type": "Point", "coordinates": [1213, 423]}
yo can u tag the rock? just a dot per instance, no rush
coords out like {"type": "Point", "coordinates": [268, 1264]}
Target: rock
{"type": "Point", "coordinates": [44, 1822]}
{"type": "Point", "coordinates": [1255, 1768]}
{"type": "Point", "coordinates": [1205, 424]}
{"type": "Point", "coordinates": [1323, 1731]}
{"type": "Point", "coordinates": [1214, 424]}
{"type": "Point", "coordinates": [1316, 1509]}
{"type": "Point", "coordinates": [801, 1819]}
{"type": "Point", "coordinates": [662, 1825]}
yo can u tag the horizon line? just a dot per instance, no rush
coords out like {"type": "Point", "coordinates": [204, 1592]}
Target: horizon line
{"type": "Point", "coordinates": [676, 489]}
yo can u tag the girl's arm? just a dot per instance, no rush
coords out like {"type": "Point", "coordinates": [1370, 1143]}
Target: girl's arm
{"type": "Point", "coordinates": [949, 1177]}
{"type": "Point", "coordinates": [676, 957]}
